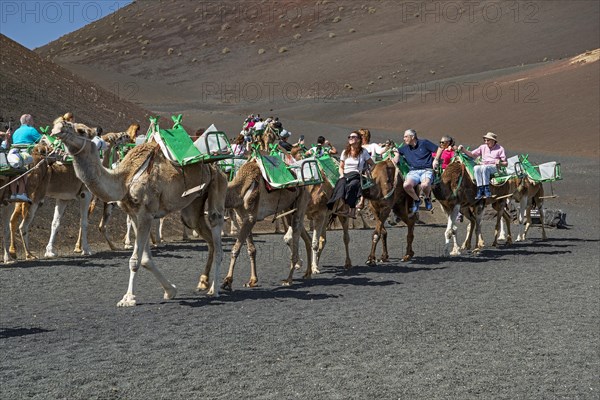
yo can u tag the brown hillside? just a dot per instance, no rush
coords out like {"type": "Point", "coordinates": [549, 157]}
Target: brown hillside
{"type": "Point", "coordinates": [31, 84]}
{"type": "Point", "coordinates": [200, 50]}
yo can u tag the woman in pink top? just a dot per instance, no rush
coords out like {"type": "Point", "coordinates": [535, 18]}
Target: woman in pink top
{"type": "Point", "coordinates": [492, 155]}
{"type": "Point", "coordinates": [447, 145]}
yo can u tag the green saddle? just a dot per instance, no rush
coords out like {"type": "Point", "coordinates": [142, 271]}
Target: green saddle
{"type": "Point", "coordinates": [547, 172]}
{"type": "Point", "coordinates": [178, 146]}
{"type": "Point", "coordinates": [330, 167]}
{"type": "Point", "coordinates": [279, 175]}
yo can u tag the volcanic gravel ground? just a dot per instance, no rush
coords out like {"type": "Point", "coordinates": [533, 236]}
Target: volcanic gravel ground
{"type": "Point", "coordinates": [518, 322]}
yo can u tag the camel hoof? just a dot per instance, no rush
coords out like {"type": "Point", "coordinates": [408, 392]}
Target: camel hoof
{"type": "Point", "coordinates": [251, 283]}
{"type": "Point", "coordinates": [212, 292]}
{"type": "Point", "coordinates": [315, 270]}
{"type": "Point", "coordinates": [286, 282]}
{"type": "Point", "coordinates": [9, 261]}
{"type": "Point", "coordinates": [227, 285]}
{"type": "Point", "coordinates": [348, 265]}
{"type": "Point", "coordinates": [203, 284]}
{"type": "Point", "coordinates": [127, 301]}
{"type": "Point", "coordinates": [50, 254]}
{"type": "Point", "coordinates": [127, 247]}
{"type": "Point", "coordinates": [407, 257]}
{"type": "Point", "coordinates": [371, 263]}
{"type": "Point", "coordinates": [170, 294]}
{"type": "Point", "coordinates": [307, 275]}
{"type": "Point", "coordinates": [86, 253]}
{"type": "Point", "coordinates": [299, 264]}
{"type": "Point", "coordinates": [30, 257]}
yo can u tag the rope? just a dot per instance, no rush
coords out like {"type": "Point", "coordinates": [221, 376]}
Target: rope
{"type": "Point", "coordinates": [28, 171]}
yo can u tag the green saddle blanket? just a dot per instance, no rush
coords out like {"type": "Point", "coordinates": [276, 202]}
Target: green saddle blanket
{"type": "Point", "coordinates": [497, 179]}
{"type": "Point", "coordinates": [330, 168]}
{"type": "Point", "coordinates": [547, 172]}
{"type": "Point", "coordinates": [279, 175]}
{"type": "Point", "coordinates": [178, 146]}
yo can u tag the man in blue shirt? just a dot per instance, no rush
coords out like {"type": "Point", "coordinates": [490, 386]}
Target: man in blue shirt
{"type": "Point", "coordinates": [418, 154]}
{"type": "Point", "coordinates": [26, 133]}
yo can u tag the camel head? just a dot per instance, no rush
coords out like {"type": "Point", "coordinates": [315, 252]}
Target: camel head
{"type": "Point", "coordinates": [63, 128]}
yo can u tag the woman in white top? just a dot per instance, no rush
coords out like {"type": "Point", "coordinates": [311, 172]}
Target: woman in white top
{"type": "Point", "coordinates": [353, 161]}
{"type": "Point", "coordinates": [374, 149]}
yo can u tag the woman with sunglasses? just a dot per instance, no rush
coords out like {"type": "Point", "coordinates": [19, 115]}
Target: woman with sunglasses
{"type": "Point", "coordinates": [492, 155]}
{"type": "Point", "coordinates": [447, 146]}
{"type": "Point", "coordinates": [353, 161]}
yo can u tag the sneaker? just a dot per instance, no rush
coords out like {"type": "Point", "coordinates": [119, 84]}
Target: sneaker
{"type": "Point", "coordinates": [428, 205]}
{"type": "Point", "coordinates": [479, 194]}
{"type": "Point", "coordinates": [20, 197]}
{"type": "Point", "coordinates": [486, 192]}
{"type": "Point", "coordinates": [415, 206]}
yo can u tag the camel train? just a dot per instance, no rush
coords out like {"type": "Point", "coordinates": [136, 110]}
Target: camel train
{"type": "Point", "coordinates": [162, 175]}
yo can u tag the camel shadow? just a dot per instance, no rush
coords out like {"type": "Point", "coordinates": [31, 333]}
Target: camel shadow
{"type": "Point", "coordinates": [256, 293]}
{"type": "Point", "coordinates": [6, 333]}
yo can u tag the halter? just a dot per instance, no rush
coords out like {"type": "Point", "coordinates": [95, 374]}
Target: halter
{"type": "Point", "coordinates": [82, 147]}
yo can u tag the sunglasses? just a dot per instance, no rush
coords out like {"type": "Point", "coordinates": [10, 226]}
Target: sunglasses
{"type": "Point", "coordinates": [352, 137]}
{"type": "Point", "coordinates": [444, 142]}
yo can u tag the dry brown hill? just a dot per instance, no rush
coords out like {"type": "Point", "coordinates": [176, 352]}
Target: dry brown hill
{"type": "Point", "coordinates": [354, 63]}
{"type": "Point", "coordinates": [204, 52]}
{"type": "Point", "coordinates": [31, 84]}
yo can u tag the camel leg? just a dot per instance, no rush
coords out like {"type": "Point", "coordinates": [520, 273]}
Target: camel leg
{"type": "Point", "coordinates": [318, 227]}
{"type": "Point", "coordinates": [212, 236]}
{"type": "Point", "coordinates": [541, 211]}
{"type": "Point", "coordinates": [142, 256]}
{"type": "Point", "coordinates": [523, 208]}
{"type": "Point", "coordinates": [292, 239]}
{"type": "Point", "coordinates": [29, 214]}
{"type": "Point", "coordinates": [19, 211]}
{"type": "Point", "coordinates": [82, 246]}
{"type": "Point", "coordinates": [450, 233]}
{"type": "Point", "coordinates": [59, 210]}
{"type": "Point", "coordinates": [127, 239]}
{"type": "Point", "coordinates": [345, 226]}
{"type": "Point", "coordinates": [410, 236]}
{"type": "Point", "coordinates": [245, 229]}
{"type": "Point", "coordinates": [499, 207]}
{"type": "Point", "coordinates": [106, 215]}
{"type": "Point", "coordinates": [478, 235]}
{"type": "Point", "coordinates": [251, 248]}
{"type": "Point", "coordinates": [6, 212]}
{"type": "Point", "coordinates": [380, 233]}
{"type": "Point", "coordinates": [216, 220]}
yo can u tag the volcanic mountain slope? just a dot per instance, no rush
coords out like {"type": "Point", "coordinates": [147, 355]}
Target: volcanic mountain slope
{"type": "Point", "coordinates": [307, 49]}
{"type": "Point", "coordinates": [31, 84]}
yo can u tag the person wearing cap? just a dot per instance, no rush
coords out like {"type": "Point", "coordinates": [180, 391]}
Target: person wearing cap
{"type": "Point", "coordinates": [492, 155]}
{"type": "Point", "coordinates": [418, 155]}
{"type": "Point", "coordinates": [283, 143]}
{"type": "Point", "coordinates": [323, 147]}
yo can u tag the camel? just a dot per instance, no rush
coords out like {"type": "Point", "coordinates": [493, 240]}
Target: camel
{"type": "Point", "coordinates": [248, 196]}
{"type": "Point", "coordinates": [55, 180]}
{"type": "Point", "coordinates": [525, 192]}
{"type": "Point", "coordinates": [268, 137]}
{"type": "Point", "coordinates": [456, 192]}
{"type": "Point", "coordinates": [147, 186]}
{"type": "Point", "coordinates": [384, 198]}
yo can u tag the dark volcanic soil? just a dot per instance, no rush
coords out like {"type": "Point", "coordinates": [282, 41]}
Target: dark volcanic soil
{"type": "Point", "coordinates": [514, 322]}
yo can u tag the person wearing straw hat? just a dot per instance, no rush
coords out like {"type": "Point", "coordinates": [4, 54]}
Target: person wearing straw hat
{"type": "Point", "coordinates": [492, 155]}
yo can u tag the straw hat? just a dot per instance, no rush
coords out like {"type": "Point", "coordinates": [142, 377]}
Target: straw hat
{"type": "Point", "coordinates": [491, 136]}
